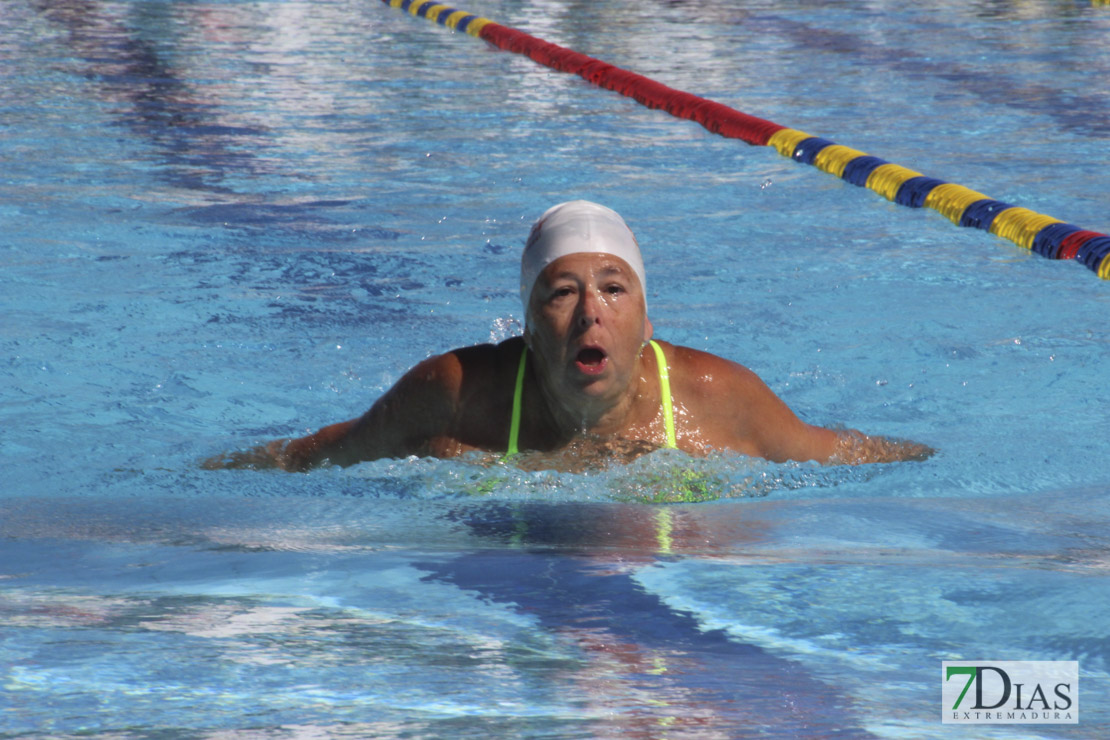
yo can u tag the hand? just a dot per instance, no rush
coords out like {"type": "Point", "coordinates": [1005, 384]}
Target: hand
{"type": "Point", "coordinates": [856, 448]}
{"type": "Point", "coordinates": [263, 457]}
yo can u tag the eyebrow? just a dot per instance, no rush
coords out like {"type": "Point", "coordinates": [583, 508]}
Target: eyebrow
{"type": "Point", "coordinates": [605, 271]}
{"type": "Point", "coordinates": [613, 268]}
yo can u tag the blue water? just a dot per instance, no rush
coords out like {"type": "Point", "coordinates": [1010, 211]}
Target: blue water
{"type": "Point", "coordinates": [229, 221]}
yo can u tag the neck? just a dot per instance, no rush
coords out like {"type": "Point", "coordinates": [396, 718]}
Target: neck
{"type": "Point", "coordinates": [573, 415]}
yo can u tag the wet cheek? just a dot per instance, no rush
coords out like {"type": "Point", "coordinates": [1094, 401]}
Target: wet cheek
{"type": "Point", "coordinates": [555, 322]}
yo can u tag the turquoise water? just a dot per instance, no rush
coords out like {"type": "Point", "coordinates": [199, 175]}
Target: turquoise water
{"type": "Point", "coordinates": [229, 221]}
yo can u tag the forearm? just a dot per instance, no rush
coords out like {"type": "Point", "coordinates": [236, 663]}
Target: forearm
{"type": "Point", "coordinates": [856, 448]}
{"type": "Point", "coordinates": [331, 444]}
{"type": "Point", "coordinates": [263, 457]}
{"type": "Point", "coordinates": [292, 455]}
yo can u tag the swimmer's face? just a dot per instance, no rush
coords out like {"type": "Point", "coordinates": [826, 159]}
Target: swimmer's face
{"type": "Point", "coordinates": [587, 324]}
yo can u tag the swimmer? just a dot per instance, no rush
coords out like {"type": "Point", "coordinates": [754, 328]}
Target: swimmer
{"type": "Point", "coordinates": [586, 376]}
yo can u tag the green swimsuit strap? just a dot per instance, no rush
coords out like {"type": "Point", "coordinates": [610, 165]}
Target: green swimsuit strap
{"type": "Point", "coordinates": [518, 395]}
{"type": "Point", "coordinates": [664, 390]}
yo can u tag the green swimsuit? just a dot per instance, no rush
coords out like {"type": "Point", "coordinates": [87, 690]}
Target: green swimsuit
{"type": "Point", "coordinates": [664, 390]}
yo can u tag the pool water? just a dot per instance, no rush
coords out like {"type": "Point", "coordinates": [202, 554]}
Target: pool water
{"type": "Point", "coordinates": [225, 222]}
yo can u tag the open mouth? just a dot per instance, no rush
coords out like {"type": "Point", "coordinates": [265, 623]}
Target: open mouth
{"type": "Point", "coordinates": [591, 360]}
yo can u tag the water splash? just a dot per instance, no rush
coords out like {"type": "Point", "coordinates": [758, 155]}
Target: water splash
{"type": "Point", "coordinates": [505, 328]}
{"type": "Point", "coordinates": [660, 477]}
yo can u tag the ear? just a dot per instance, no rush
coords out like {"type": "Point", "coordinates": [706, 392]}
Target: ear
{"type": "Point", "coordinates": [649, 330]}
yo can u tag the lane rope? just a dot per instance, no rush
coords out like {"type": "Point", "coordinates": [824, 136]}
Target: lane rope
{"type": "Point", "coordinates": [1047, 236]}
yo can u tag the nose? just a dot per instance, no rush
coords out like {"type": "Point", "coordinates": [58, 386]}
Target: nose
{"type": "Point", "coordinates": [588, 310]}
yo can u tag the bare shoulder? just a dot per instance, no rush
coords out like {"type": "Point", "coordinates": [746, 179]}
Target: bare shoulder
{"type": "Point", "coordinates": [458, 367]}
{"type": "Point", "coordinates": [492, 357]}
{"type": "Point", "coordinates": [477, 372]}
{"type": "Point", "coordinates": [442, 405]}
{"type": "Point", "coordinates": [719, 392]}
{"type": "Point", "coordinates": [736, 410]}
{"type": "Point", "coordinates": [704, 373]}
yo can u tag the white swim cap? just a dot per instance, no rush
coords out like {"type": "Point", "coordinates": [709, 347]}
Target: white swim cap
{"type": "Point", "coordinates": [572, 228]}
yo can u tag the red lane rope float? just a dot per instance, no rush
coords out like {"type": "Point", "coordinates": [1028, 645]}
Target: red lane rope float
{"type": "Point", "coordinates": [715, 117]}
{"type": "Point", "coordinates": [1045, 235]}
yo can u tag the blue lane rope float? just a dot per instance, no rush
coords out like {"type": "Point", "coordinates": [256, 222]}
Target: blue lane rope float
{"type": "Point", "coordinates": [1047, 236]}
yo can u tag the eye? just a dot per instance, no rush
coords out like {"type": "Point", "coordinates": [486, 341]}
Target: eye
{"type": "Point", "coordinates": [614, 289]}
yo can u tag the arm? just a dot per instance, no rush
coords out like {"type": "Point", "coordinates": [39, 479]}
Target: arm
{"type": "Point", "coordinates": [757, 422]}
{"type": "Point", "coordinates": [784, 436]}
{"type": "Point", "coordinates": [776, 431]}
{"type": "Point", "coordinates": [857, 448]}
{"type": "Point", "coordinates": [402, 422]}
